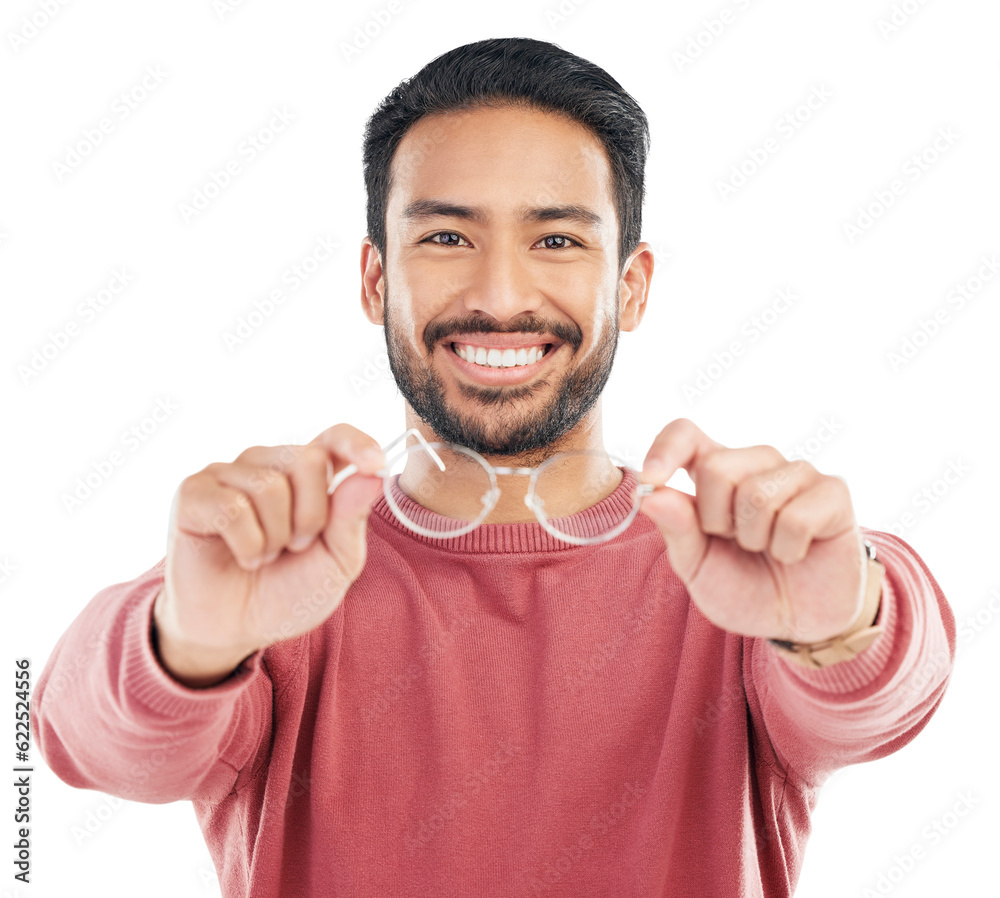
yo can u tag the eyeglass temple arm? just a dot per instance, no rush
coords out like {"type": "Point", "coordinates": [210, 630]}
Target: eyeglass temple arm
{"type": "Point", "coordinates": [353, 468]}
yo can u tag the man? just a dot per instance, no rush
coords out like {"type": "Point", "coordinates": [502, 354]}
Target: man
{"type": "Point", "coordinates": [358, 708]}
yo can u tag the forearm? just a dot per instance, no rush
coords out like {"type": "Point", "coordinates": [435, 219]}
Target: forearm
{"type": "Point", "coordinates": [868, 706]}
{"type": "Point", "coordinates": [107, 716]}
{"type": "Point", "coordinates": [191, 666]}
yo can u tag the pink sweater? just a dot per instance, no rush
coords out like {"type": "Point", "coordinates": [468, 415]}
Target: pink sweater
{"type": "Point", "coordinates": [500, 714]}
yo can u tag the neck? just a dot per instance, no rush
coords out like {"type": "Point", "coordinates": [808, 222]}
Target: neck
{"type": "Point", "coordinates": [582, 482]}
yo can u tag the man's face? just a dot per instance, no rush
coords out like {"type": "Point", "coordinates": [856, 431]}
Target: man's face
{"type": "Point", "coordinates": [501, 249]}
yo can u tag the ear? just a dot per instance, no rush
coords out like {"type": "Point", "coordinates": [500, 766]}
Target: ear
{"type": "Point", "coordinates": [372, 283]}
{"type": "Point", "coordinates": [634, 289]}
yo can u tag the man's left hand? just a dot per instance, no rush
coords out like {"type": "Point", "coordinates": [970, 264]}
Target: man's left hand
{"type": "Point", "coordinates": [766, 546]}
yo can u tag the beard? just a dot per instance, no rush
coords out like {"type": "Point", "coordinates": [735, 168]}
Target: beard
{"type": "Point", "coordinates": [502, 421]}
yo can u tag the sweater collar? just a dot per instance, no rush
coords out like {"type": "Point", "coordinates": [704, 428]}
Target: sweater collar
{"type": "Point", "coordinates": [510, 538]}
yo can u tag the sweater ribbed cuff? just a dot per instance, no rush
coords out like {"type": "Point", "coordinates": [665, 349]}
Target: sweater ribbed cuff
{"type": "Point", "coordinates": [149, 684]}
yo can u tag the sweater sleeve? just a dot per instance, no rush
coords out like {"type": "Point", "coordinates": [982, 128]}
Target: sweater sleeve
{"type": "Point", "coordinates": [812, 722]}
{"type": "Point", "coordinates": [107, 716]}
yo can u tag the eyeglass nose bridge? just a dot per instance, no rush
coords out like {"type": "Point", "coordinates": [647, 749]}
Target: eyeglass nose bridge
{"type": "Point", "coordinates": [530, 499]}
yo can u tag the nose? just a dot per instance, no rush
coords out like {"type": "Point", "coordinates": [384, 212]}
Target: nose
{"type": "Point", "coordinates": [500, 285]}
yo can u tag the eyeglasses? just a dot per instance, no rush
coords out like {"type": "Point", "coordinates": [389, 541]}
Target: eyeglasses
{"type": "Point", "coordinates": [471, 481]}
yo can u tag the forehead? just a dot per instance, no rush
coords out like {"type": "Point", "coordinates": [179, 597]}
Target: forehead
{"type": "Point", "coordinates": [501, 158]}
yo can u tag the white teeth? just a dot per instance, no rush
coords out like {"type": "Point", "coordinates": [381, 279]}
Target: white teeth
{"type": "Point", "coordinates": [496, 358]}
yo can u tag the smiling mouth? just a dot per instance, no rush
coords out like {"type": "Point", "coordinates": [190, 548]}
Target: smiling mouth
{"type": "Point", "coordinates": [501, 357]}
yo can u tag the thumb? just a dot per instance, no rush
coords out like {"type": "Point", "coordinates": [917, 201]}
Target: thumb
{"type": "Point", "coordinates": [345, 534]}
{"type": "Point", "coordinates": [675, 514]}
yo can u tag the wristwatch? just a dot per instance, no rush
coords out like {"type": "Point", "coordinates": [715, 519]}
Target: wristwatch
{"type": "Point", "coordinates": [855, 639]}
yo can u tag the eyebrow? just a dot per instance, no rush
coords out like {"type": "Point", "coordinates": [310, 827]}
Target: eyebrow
{"type": "Point", "coordinates": [430, 208]}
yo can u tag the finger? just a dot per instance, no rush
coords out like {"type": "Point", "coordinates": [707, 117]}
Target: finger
{"type": "Point", "coordinates": [207, 508]}
{"type": "Point", "coordinates": [347, 445]}
{"type": "Point", "coordinates": [306, 469]}
{"type": "Point", "coordinates": [716, 477]}
{"type": "Point", "coordinates": [345, 534]}
{"type": "Point", "coordinates": [822, 511]}
{"type": "Point", "coordinates": [679, 445]}
{"type": "Point", "coordinates": [310, 502]}
{"type": "Point", "coordinates": [675, 514]}
{"type": "Point", "coordinates": [759, 496]}
{"type": "Point", "coordinates": [269, 491]}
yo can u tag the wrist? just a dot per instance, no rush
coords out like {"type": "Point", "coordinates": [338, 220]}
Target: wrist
{"type": "Point", "coordinates": [851, 641]}
{"type": "Point", "coordinates": [196, 667]}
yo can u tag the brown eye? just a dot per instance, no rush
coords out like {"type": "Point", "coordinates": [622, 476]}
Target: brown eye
{"type": "Point", "coordinates": [450, 238]}
{"type": "Point", "coordinates": [562, 242]}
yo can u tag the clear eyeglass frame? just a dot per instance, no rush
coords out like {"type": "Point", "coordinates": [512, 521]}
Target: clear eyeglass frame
{"type": "Point", "coordinates": [492, 496]}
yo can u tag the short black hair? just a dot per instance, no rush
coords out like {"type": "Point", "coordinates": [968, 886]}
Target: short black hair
{"type": "Point", "coordinates": [515, 71]}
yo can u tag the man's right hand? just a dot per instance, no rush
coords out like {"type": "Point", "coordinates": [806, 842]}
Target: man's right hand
{"type": "Point", "coordinates": [258, 552]}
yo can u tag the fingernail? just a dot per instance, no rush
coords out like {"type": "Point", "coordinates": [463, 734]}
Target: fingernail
{"type": "Point", "coordinates": [654, 474]}
{"type": "Point", "coordinates": [300, 542]}
{"type": "Point", "coordinates": [373, 456]}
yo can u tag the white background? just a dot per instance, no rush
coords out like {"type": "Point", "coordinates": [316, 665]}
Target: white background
{"type": "Point", "coordinates": [315, 361]}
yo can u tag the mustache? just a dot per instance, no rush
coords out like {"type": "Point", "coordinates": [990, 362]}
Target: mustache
{"type": "Point", "coordinates": [567, 332]}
